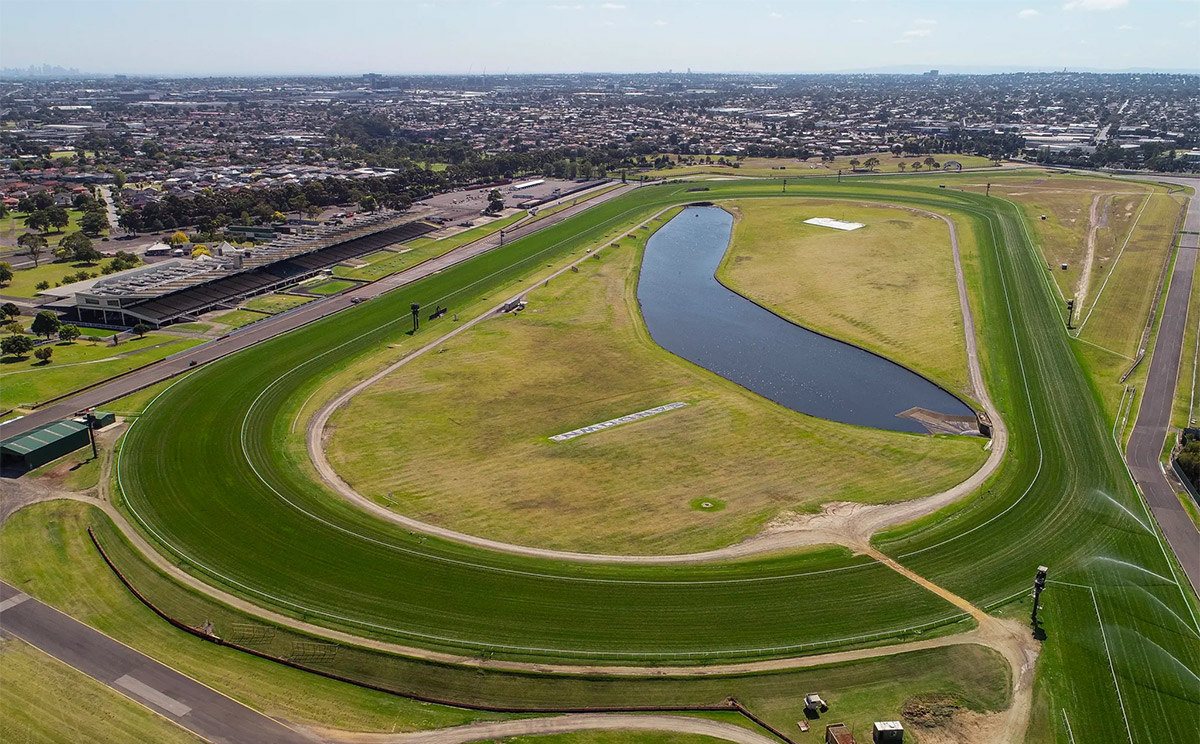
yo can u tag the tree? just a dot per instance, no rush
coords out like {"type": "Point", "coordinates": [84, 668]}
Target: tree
{"type": "Point", "coordinates": [44, 353]}
{"type": "Point", "coordinates": [902, 166]}
{"type": "Point", "coordinates": [80, 248]}
{"type": "Point", "coordinates": [15, 345]}
{"type": "Point", "coordinates": [368, 203]}
{"type": "Point", "coordinates": [58, 217]}
{"type": "Point", "coordinates": [119, 179]}
{"type": "Point", "coordinates": [69, 333]}
{"type": "Point", "coordinates": [39, 220]}
{"type": "Point", "coordinates": [34, 244]}
{"type": "Point", "coordinates": [854, 163]}
{"type": "Point", "coordinates": [45, 323]}
{"type": "Point", "coordinates": [871, 163]}
{"type": "Point", "coordinates": [201, 250]}
{"type": "Point", "coordinates": [6, 273]}
{"type": "Point", "coordinates": [495, 201]}
{"type": "Point", "coordinates": [178, 238]}
{"type": "Point", "coordinates": [13, 327]}
{"type": "Point", "coordinates": [930, 163]}
{"type": "Point", "coordinates": [10, 310]}
{"type": "Point", "coordinates": [141, 329]}
{"type": "Point", "coordinates": [93, 222]}
{"type": "Point", "coordinates": [916, 166]}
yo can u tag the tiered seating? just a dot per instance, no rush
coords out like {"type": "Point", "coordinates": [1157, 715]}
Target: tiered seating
{"type": "Point", "coordinates": [201, 297]}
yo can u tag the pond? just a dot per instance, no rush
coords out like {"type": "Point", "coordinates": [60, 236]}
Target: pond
{"type": "Point", "coordinates": [689, 313]}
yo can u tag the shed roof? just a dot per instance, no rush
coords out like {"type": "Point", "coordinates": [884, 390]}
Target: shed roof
{"type": "Point", "coordinates": [30, 441]}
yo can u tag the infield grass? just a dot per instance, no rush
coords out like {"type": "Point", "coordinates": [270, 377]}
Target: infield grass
{"type": "Point", "coordinates": [888, 287]}
{"type": "Point", "coordinates": [435, 439]}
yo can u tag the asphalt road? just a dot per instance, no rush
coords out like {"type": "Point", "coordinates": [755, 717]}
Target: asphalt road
{"type": "Point", "coordinates": [200, 709]}
{"type": "Point", "coordinates": [1154, 416]}
{"type": "Point", "coordinates": [271, 327]}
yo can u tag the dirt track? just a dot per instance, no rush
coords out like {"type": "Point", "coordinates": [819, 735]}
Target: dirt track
{"type": "Point", "coordinates": [563, 724]}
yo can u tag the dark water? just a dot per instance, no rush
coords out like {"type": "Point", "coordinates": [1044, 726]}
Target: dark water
{"type": "Point", "coordinates": [690, 314]}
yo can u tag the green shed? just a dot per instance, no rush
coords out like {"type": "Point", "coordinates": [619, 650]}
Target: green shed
{"type": "Point", "coordinates": [38, 447]}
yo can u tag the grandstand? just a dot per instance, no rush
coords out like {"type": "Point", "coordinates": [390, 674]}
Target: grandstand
{"type": "Point", "coordinates": [180, 289]}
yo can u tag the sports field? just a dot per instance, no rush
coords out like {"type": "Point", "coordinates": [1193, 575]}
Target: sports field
{"type": "Point", "coordinates": [888, 287]}
{"type": "Point", "coordinates": [480, 411]}
{"type": "Point", "coordinates": [1062, 499]}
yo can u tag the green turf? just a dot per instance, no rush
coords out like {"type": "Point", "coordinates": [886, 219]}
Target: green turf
{"type": "Point", "coordinates": [1049, 504]}
{"type": "Point", "coordinates": [75, 365]}
{"type": "Point", "coordinates": [24, 281]}
{"type": "Point", "coordinates": [275, 303]}
{"type": "Point", "coordinates": [239, 318]}
{"type": "Point", "coordinates": [330, 287]}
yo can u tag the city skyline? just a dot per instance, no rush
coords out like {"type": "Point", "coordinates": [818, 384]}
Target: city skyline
{"type": "Point", "coordinates": [498, 37]}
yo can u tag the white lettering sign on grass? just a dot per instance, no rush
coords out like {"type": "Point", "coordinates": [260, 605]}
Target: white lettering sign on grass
{"type": "Point", "coordinates": [835, 224]}
{"type": "Point", "coordinates": [616, 422]}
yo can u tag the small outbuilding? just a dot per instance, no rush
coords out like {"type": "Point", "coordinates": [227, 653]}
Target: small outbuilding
{"type": "Point", "coordinates": [839, 733]}
{"type": "Point", "coordinates": [43, 444]}
{"type": "Point", "coordinates": [887, 732]}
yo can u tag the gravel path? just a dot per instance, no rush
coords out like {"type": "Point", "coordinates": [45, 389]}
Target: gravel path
{"type": "Point", "coordinates": [564, 724]}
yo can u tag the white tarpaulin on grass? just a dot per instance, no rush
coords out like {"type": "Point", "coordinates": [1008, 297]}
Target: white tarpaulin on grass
{"type": "Point", "coordinates": [617, 421]}
{"type": "Point", "coordinates": [835, 224]}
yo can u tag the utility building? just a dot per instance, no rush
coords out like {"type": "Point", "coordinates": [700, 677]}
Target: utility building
{"type": "Point", "coordinates": [38, 447]}
{"type": "Point", "coordinates": [839, 733]}
{"type": "Point", "coordinates": [887, 732]}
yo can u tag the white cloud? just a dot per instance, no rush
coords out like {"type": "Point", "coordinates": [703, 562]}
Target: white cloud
{"type": "Point", "coordinates": [566, 7]}
{"type": "Point", "coordinates": [918, 32]}
{"type": "Point", "coordinates": [612, 6]}
{"type": "Point", "coordinates": [660, 22]}
{"type": "Point", "coordinates": [774, 14]}
{"type": "Point", "coordinates": [924, 22]}
{"type": "Point", "coordinates": [1095, 4]}
{"type": "Point", "coordinates": [1124, 27]}
{"type": "Point", "coordinates": [859, 20]}
{"type": "Point", "coordinates": [1028, 13]}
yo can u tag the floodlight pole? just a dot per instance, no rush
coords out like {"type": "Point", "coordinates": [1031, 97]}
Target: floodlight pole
{"type": "Point", "coordinates": [90, 419]}
{"type": "Point", "coordinates": [416, 313]}
{"type": "Point", "coordinates": [501, 237]}
{"type": "Point", "coordinates": [988, 191]}
{"type": "Point", "coordinates": [785, 185]}
{"type": "Point", "coordinates": [1039, 583]}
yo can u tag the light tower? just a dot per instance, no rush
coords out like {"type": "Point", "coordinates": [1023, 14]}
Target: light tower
{"type": "Point", "coordinates": [416, 313]}
{"type": "Point", "coordinates": [1039, 583]}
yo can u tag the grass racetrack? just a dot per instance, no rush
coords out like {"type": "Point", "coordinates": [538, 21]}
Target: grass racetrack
{"type": "Point", "coordinates": [480, 414]}
{"type": "Point", "coordinates": [227, 496]}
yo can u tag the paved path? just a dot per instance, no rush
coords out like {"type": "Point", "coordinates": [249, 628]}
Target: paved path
{"type": "Point", "coordinates": [1154, 416]}
{"type": "Point", "coordinates": [179, 698]}
{"type": "Point", "coordinates": [277, 324]}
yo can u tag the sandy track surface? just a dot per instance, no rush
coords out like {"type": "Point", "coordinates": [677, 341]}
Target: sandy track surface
{"type": "Point", "coordinates": [1097, 219]}
{"type": "Point", "coordinates": [845, 523]}
{"type": "Point", "coordinates": [561, 725]}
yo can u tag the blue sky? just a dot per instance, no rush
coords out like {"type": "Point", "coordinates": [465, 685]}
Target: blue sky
{"type": "Point", "coordinates": [219, 37]}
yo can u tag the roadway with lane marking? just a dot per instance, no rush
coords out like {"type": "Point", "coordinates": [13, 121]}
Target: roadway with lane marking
{"type": "Point", "coordinates": [1154, 417]}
